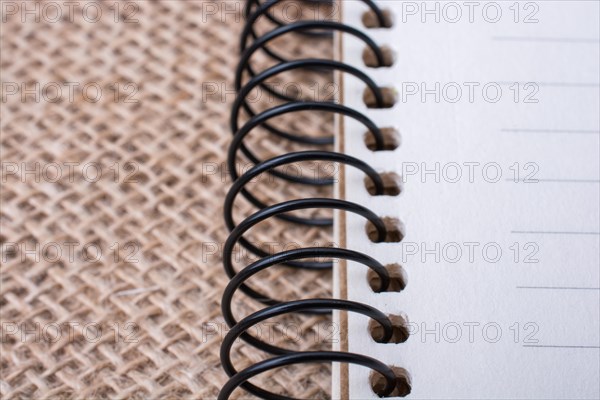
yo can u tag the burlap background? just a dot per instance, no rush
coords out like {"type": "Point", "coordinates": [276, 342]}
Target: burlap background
{"type": "Point", "coordinates": [112, 207]}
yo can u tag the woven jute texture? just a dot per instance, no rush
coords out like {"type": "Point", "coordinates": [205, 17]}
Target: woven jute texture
{"type": "Point", "coordinates": [114, 133]}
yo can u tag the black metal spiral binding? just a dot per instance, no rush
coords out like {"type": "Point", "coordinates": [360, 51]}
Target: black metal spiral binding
{"type": "Point", "coordinates": [250, 44]}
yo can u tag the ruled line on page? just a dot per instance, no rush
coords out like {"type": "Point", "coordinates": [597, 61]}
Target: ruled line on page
{"type": "Point", "coordinates": [549, 180]}
{"type": "Point", "coordinates": [556, 346]}
{"type": "Point", "coordinates": [556, 232]}
{"type": "Point", "coordinates": [554, 84]}
{"type": "Point", "coordinates": [558, 288]}
{"type": "Point", "coordinates": [586, 40]}
{"type": "Point", "coordinates": [553, 131]}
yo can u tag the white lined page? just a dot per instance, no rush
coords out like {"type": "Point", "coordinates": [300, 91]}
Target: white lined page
{"type": "Point", "coordinates": [543, 291]}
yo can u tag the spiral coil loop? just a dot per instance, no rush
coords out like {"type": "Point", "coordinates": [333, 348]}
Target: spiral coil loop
{"type": "Point", "coordinates": [250, 44]}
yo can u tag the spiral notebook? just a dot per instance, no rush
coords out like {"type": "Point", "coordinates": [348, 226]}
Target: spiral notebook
{"type": "Point", "coordinates": [466, 209]}
{"type": "Point", "coordinates": [497, 133]}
